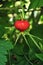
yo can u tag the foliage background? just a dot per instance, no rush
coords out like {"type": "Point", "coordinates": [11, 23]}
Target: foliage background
{"type": "Point", "coordinates": [21, 54]}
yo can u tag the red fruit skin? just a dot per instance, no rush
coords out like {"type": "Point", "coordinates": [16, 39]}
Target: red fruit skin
{"type": "Point", "coordinates": [22, 25]}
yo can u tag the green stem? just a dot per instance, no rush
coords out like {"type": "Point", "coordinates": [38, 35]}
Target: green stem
{"type": "Point", "coordinates": [25, 40]}
{"type": "Point", "coordinates": [34, 41]}
{"type": "Point", "coordinates": [34, 36]}
{"type": "Point", "coordinates": [28, 60]}
{"type": "Point", "coordinates": [17, 39]}
{"type": "Point", "coordinates": [8, 8]}
{"type": "Point", "coordinates": [23, 15]}
{"type": "Point", "coordinates": [9, 59]}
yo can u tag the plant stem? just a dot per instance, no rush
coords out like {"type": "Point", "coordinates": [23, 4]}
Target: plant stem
{"type": "Point", "coordinates": [17, 39]}
{"type": "Point", "coordinates": [9, 59]}
{"type": "Point", "coordinates": [28, 60]}
{"type": "Point", "coordinates": [34, 41]}
{"type": "Point", "coordinates": [25, 40]}
{"type": "Point", "coordinates": [34, 36]}
{"type": "Point", "coordinates": [23, 15]}
{"type": "Point", "coordinates": [8, 8]}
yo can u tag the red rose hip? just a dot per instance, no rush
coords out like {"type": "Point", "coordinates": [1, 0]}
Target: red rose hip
{"type": "Point", "coordinates": [22, 25]}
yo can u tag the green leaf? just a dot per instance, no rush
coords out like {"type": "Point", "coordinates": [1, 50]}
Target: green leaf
{"type": "Point", "coordinates": [3, 50]}
{"type": "Point", "coordinates": [33, 4]}
{"type": "Point", "coordinates": [5, 46]}
{"type": "Point", "coordinates": [2, 31]}
{"type": "Point", "coordinates": [40, 56]}
{"type": "Point", "coordinates": [40, 4]}
{"type": "Point", "coordinates": [3, 58]}
{"type": "Point", "coordinates": [2, 63]}
{"type": "Point", "coordinates": [36, 3]}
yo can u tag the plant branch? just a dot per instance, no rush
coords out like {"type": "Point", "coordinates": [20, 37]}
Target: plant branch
{"type": "Point", "coordinates": [28, 60]}
{"type": "Point", "coordinates": [25, 40]}
{"type": "Point", "coordinates": [9, 59]}
{"type": "Point", "coordinates": [7, 8]}
{"type": "Point", "coordinates": [17, 39]}
{"type": "Point", "coordinates": [34, 36]}
{"type": "Point", "coordinates": [34, 41]}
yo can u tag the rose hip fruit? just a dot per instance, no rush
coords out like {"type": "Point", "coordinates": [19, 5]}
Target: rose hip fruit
{"type": "Point", "coordinates": [22, 25]}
